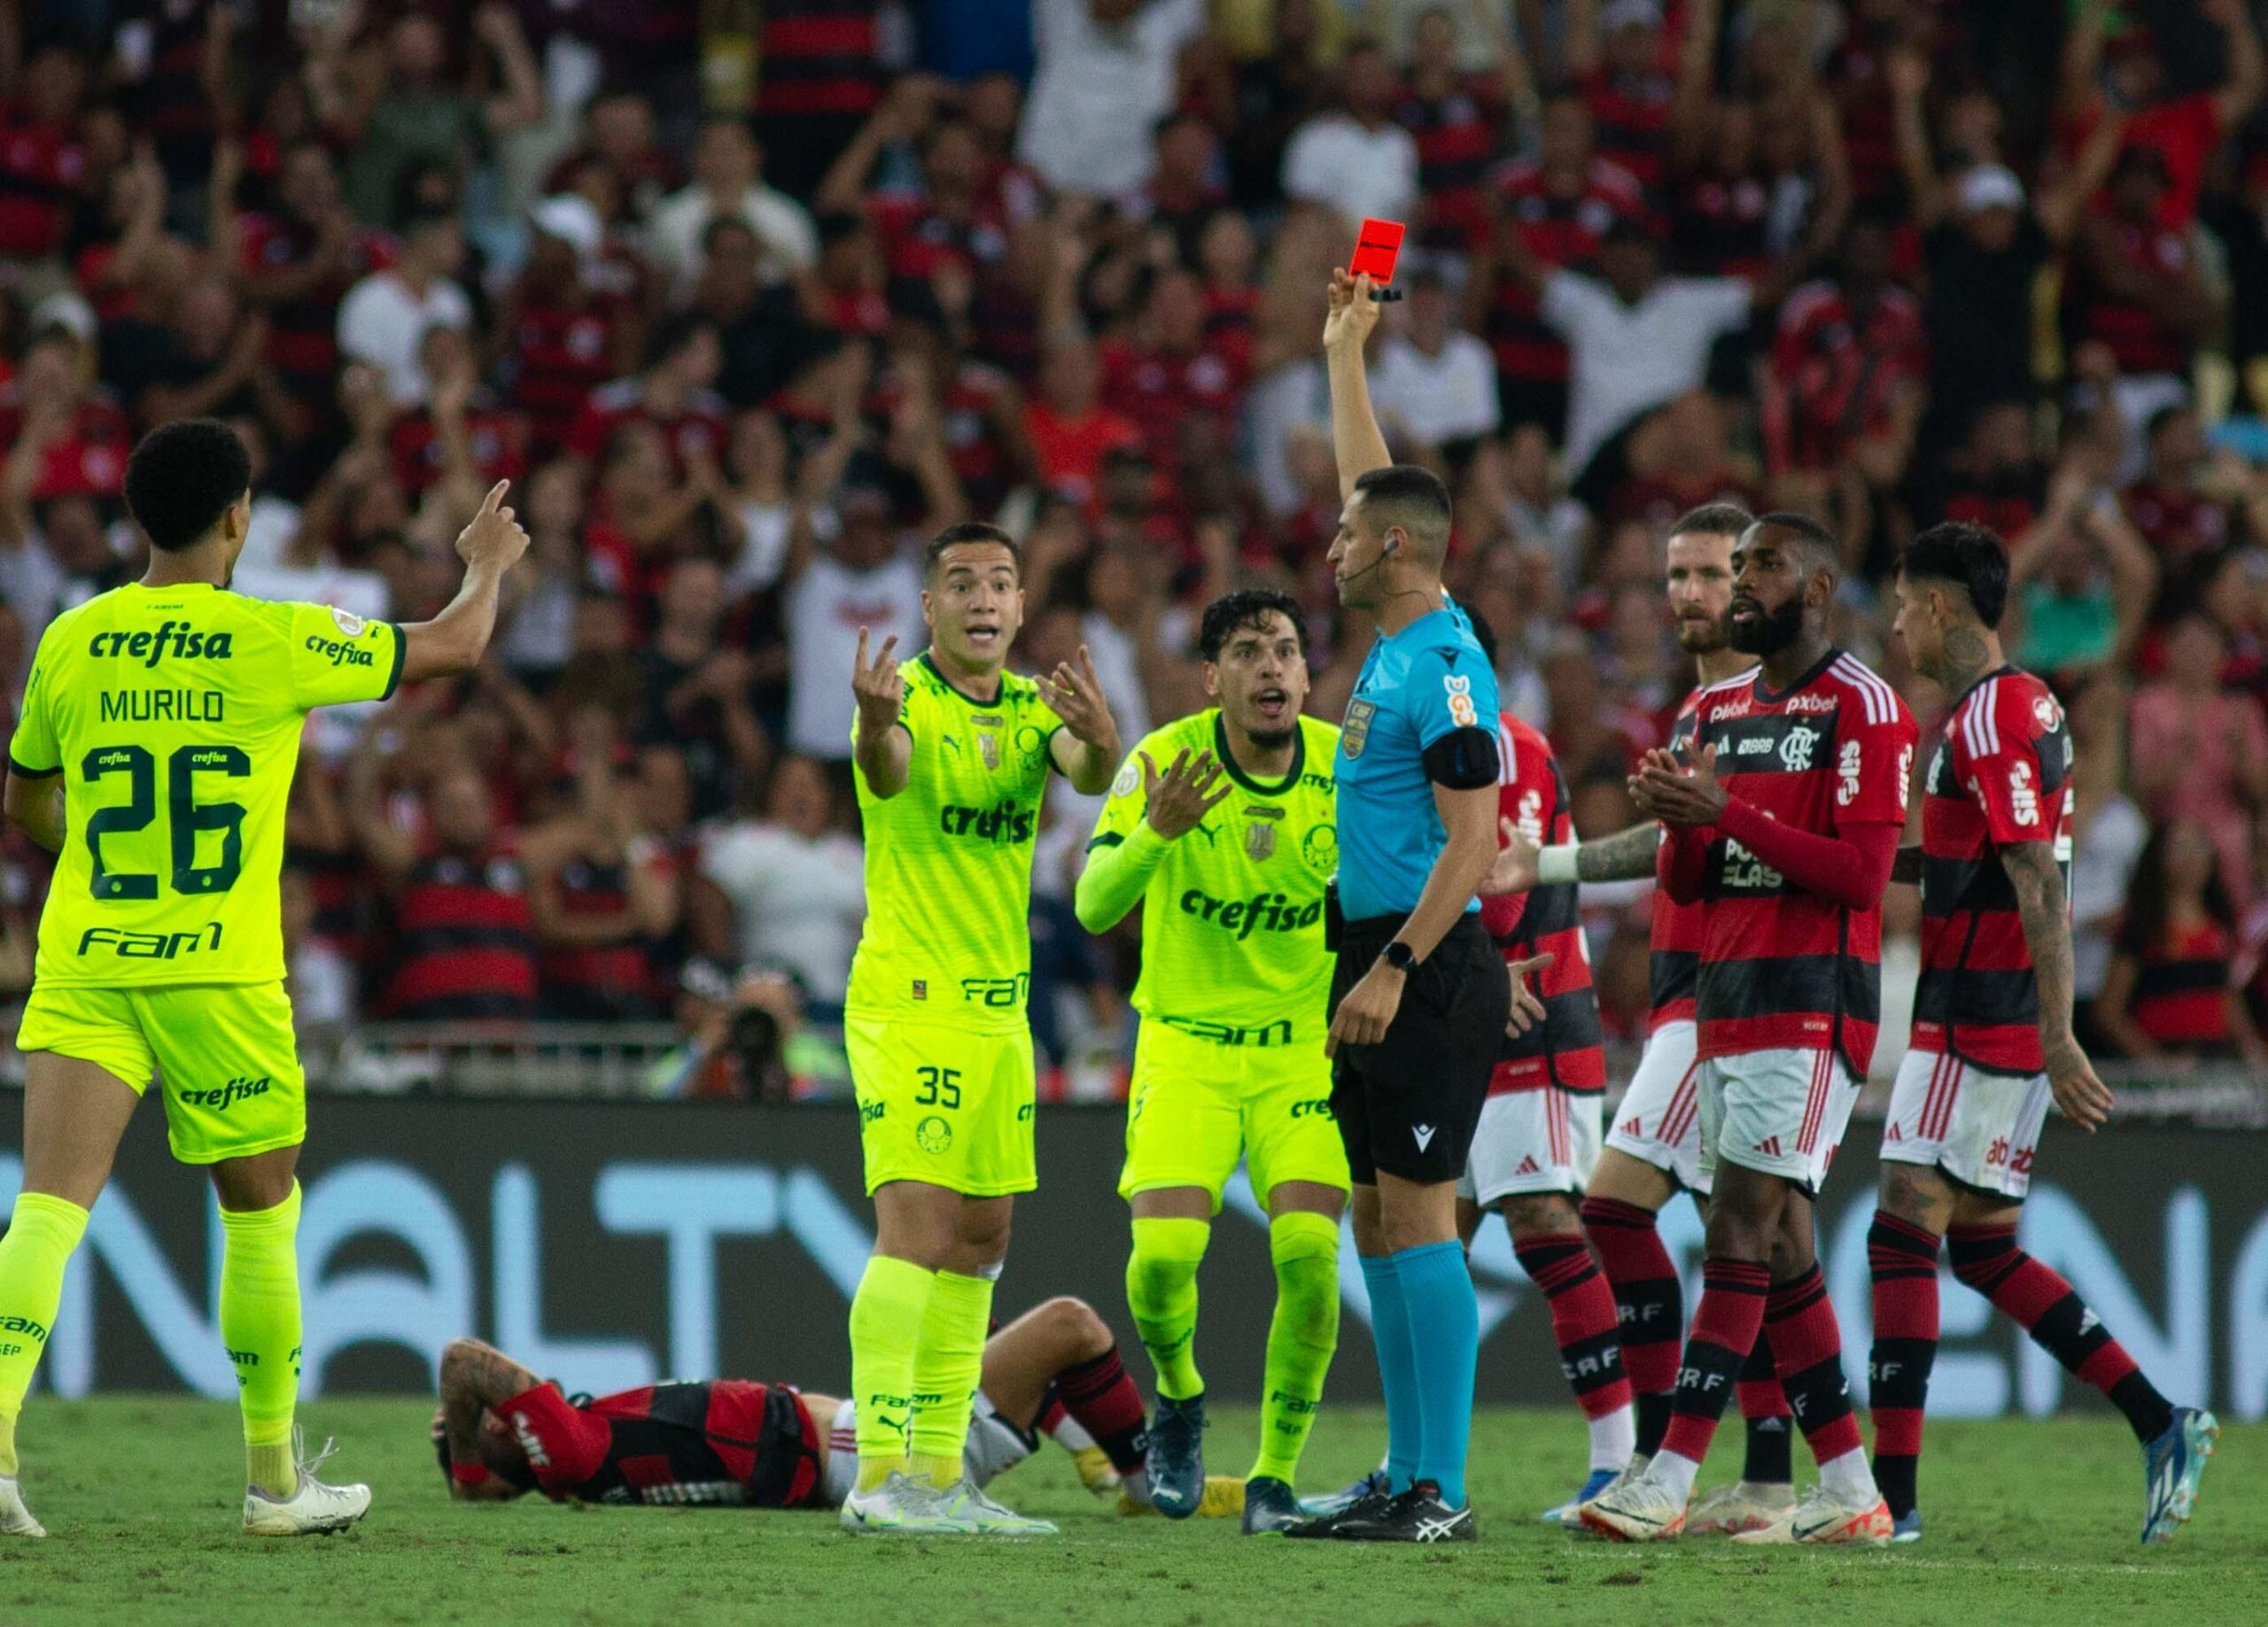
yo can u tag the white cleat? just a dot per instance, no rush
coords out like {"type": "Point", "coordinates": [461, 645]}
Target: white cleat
{"type": "Point", "coordinates": [966, 1502]}
{"type": "Point", "coordinates": [1825, 1519]}
{"type": "Point", "coordinates": [901, 1504]}
{"type": "Point", "coordinates": [1639, 1509]}
{"type": "Point", "coordinates": [15, 1519]}
{"type": "Point", "coordinates": [315, 1509]}
{"type": "Point", "coordinates": [1743, 1506]}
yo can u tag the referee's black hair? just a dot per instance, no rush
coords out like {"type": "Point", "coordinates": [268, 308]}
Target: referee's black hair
{"type": "Point", "coordinates": [182, 479]}
{"type": "Point", "coordinates": [1820, 545]}
{"type": "Point", "coordinates": [960, 536]}
{"type": "Point", "coordinates": [1967, 556]}
{"type": "Point", "coordinates": [1415, 499]}
{"type": "Point", "coordinates": [1247, 606]}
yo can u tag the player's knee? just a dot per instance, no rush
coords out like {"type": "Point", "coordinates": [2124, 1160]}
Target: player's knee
{"type": "Point", "coordinates": [1791, 1256]}
{"type": "Point", "coordinates": [1531, 1214]}
{"type": "Point", "coordinates": [1073, 1324]}
{"type": "Point", "coordinates": [1915, 1195]}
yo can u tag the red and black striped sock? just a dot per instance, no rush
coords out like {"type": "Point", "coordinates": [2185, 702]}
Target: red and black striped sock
{"type": "Point", "coordinates": [1903, 1258]}
{"type": "Point", "coordinates": [1987, 1258]}
{"type": "Point", "coordinates": [1648, 1303]}
{"type": "Point", "coordinates": [1808, 1351]}
{"type": "Point", "coordinates": [1582, 1318]}
{"type": "Point", "coordinates": [1099, 1395]}
{"type": "Point", "coordinates": [1771, 1459]}
{"type": "Point", "coordinates": [1724, 1332]}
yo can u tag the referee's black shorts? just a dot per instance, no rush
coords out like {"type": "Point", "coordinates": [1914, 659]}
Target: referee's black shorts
{"type": "Point", "coordinates": [1410, 1105]}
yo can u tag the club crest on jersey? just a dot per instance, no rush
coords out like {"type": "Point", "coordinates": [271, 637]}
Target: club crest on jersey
{"type": "Point", "coordinates": [2047, 712]}
{"type": "Point", "coordinates": [1320, 848]}
{"type": "Point", "coordinates": [988, 747]}
{"type": "Point", "coordinates": [1357, 730]}
{"type": "Point", "coordinates": [1795, 751]}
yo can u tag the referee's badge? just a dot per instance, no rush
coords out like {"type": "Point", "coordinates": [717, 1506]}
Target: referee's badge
{"type": "Point", "coordinates": [1356, 729]}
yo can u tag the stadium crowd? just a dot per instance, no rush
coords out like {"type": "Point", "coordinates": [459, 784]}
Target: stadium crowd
{"type": "Point", "coordinates": [1061, 264]}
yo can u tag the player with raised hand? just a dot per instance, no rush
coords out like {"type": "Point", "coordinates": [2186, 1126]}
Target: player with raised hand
{"type": "Point", "coordinates": [1227, 849]}
{"type": "Point", "coordinates": [953, 753]}
{"type": "Point", "coordinates": [154, 756]}
{"type": "Point", "coordinates": [1992, 1040]}
{"type": "Point", "coordinates": [1784, 817]}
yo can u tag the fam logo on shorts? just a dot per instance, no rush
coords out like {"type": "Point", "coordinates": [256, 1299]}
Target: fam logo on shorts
{"type": "Point", "coordinates": [1357, 730]}
{"type": "Point", "coordinates": [932, 1133]}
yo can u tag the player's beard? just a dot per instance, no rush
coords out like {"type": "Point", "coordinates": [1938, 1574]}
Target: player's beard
{"type": "Point", "coordinates": [1273, 740]}
{"type": "Point", "coordinates": [1771, 630]}
{"type": "Point", "coordinates": [1704, 636]}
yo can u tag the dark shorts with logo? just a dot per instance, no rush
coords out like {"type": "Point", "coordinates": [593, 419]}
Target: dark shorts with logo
{"type": "Point", "coordinates": [1410, 1105]}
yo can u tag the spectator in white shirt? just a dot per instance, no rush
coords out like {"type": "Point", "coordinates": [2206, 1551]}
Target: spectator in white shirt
{"type": "Point", "coordinates": [727, 182]}
{"type": "Point", "coordinates": [1104, 77]}
{"type": "Point", "coordinates": [384, 317]}
{"type": "Point", "coordinates": [868, 576]}
{"type": "Point", "coordinates": [1436, 381]}
{"type": "Point", "coordinates": [1356, 159]}
{"type": "Point", "coordinates": [795, 885]}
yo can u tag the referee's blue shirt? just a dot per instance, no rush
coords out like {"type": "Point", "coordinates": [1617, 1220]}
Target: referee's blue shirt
{"type": "Point", "coordinates": [1417, 687]}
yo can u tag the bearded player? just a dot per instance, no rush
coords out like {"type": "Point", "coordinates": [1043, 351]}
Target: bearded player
{"type": "Point", "coordinates": [953, 753]}
{"type": "Point", "coordinates": [502, 1432]}
{"type": "Point", "coordinates": [154, 756]}
{"type": "Point", "coordinates": [1786, 823]}
{"type": "Point", "coordinates": [1654, 1147]}
{"type": "Point", "coordinates": [1220, 828]}
{"type": "Point", "coordinates": [1992, 1040]}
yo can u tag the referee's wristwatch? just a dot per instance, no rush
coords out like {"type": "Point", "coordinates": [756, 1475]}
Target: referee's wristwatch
{"type": "Point", "coordinates": [1400, 955]}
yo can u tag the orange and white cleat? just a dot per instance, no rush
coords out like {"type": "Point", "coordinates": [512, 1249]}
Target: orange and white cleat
{"type": "Point", "coordinates": [1743, 1506]}
{"type": "Point", "coordinates": [1826, 1520]}
{"type": "Point", "coordinates": [1641, 1508]}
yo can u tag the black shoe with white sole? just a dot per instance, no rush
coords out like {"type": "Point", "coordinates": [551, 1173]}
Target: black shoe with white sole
{"type": "Point", "coordinates": [1418, 1515]}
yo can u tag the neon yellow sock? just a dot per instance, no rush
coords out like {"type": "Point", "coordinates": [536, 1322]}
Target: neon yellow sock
{"type": "Point", "coordinates": [260, 1325]}
{"type": "Point", "coordinates": [42, 1234]}
{"type": "Point", "coordinates": [947, 1364]}
{"type": "Point", "coordinates": [1301, 1338]}
{"type": "Point", "coordinates": [886, 1316]}
{"type": "Point", "coordinates": [1161, 1293]}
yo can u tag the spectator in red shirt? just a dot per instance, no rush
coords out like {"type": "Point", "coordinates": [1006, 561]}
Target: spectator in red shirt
{"type": "Point", "coordinates": [619, 137]}
{"type": "Point", "coordinates": [2134, 285]}
{"type": "Point", "coordinates": [66, 436]}
{"type": "Point", "coordinates": [42, 163]}
{"type": "Point", "coordinates": [1184, 183]}
{"type": "Point", "coordinates": [1993, 477]}
{"type": "Point", "coordinates": [2182, 519]}
{"type": "Point", "coordinates": [297, 264]}
{"type": "Point", "coordinates": [122, 257]}
{"type": "Point", "coordinates": [1616, 59]}
{"type": "Point", "coordinates": [1457, 120]}
{"type": "Point", "coordinates": [2170, 990]}
{"type": "Point", "coordinates": [562, 336]}
{"type": "Point", "coordinates": [675, 394]}
{"type": "Point", "coordinates": [1167, 371]}
{"type": "Point", "coordinates": [461, 433]}
{"type": "Point", "coordinates": [1848, 367]}
{"type": "Point", "coordinates": [1070, 430]}
{"type": "Point", "coordinates": [853, 277]}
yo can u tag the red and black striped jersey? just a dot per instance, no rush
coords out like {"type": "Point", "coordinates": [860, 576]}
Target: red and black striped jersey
{"type": "Point", "coordinates": [1780, 967]}
{"type": "Point", "coordinates": [1676, 930]}
{"type": "Point", "coordinates": [464, 945]}
{"type": "Point", "coordinates": [2139, 341]}
{"type": "Point", "coordinates": [1458, 133]}
{"type": "Point", "coordinates": [1563, 227]}
{"type": "Point", "coordinates": [2181, 987]}
{"type": "Point", "coordinates": [2001, 776]}
{"type": "Point", "coordinates": [1563, 1050]}
{"type": "Point", "coordinates": [819, 56]}
{"type": "Point", "coordinates": [1631, 113]}
{"type": "Point", "coordinates": [724, 1441]}
{"type": "Point", "coordinates": [609, 981]}
{"type": "Point", "coordinates": [560, 355]}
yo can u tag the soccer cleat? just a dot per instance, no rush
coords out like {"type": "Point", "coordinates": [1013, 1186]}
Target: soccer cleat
{"type": "Point", "coordinates": [1371, 1505]}
{"type": "Point", "coordinates": [1824, 1519]}
{"type": "Point", "coordinates": [1224, 1498]}
{"type": "Point", "coordinates": [966, 1504]}
{"type": "Point", "coordinates": [315, 1508]}
{"type": "Point", "coordinates": [1565, 1514]}
{"type": "Point", "coordinates": [1743, 1506]}
{"type": "Point", "coordinates": [1417, 1515]}
{"type": "Point", "coordinates": [1376, 1483]}
{"type": "Point", "coordinates": [1270, 1508]}
{"type": "Point", "coordinates": [15, 1519]}
{"type": "Point", "coordinates": [1095, 1471]}
{"type": "Point", "coordinates": [1906, 1527]}
{"type": "Point", "coordinates": [901, 1504]}
{"type": "Point", "coordinates": [1177, 1457]}
{"type": "Point", "coordinates": [2173, 1465]}
{"type": "Point", "coordinates": [1642, 1508]}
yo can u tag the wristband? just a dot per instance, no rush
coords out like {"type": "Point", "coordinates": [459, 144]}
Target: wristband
{"type": "Point", "coordinates": [1556, 865]}
{"type": "Point", "coordinates": [469, 1473]}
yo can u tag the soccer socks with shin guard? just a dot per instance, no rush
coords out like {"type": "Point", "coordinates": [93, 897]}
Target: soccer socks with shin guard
{"type": "Point", "coordinates": [42, 1235]}
{"type": "Point", "coordinates": [1902, 1259]}
{"type": "Point", "coordinates": [1103, 1401]}
{"type": "Point", "coordinates": [1987, 1258]}
{"type": "Point", "coordinates": [1161, 1294]}
{"type": "Point", "coordinates": [1648, 1306]}
{"type": "Point", "coordinates": [948, 1363]}
{"type": "Point", "coordinates": [1397, 1367]}
{"type": "Point", "coordinates": [1583, 1323]}
{"type": "Point", "coordinates": [1771, 1428]}
{"type": "Point", "coordinates": [1445, 1340]}
{"type": "Point", "coordinates": [1725, 1326]}
{"type": "Point", "coordinates": [886, 1314]}
{"type": "Point", "coordinates": [1301, 1338]}
{"type": "Point", "coordinates": [260, 1325]}
{"type": "Point", "coordinates": [1808, 1349]}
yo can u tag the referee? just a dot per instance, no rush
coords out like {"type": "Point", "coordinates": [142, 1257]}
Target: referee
{"type": "Point", "coordinates": [1419, 994]}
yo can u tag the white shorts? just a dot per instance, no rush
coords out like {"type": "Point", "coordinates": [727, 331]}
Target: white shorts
{"type": "Point", "coordinates": [1981, 1128]}
{"type": "Point", "coordinates": [1545, 1140]}
{"type": "Point", "coordinates": [1660, 1120]}
{"type": "Point", "coordinates": [995, 1446]}
{"type": "Point", "coordinates": [1780, 1112]}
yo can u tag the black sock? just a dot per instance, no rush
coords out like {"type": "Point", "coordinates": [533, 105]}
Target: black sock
{"type": "Point", "coordinates": [1771, 1453]}
{"type": "Point", "coordinates": [1653, 1421]}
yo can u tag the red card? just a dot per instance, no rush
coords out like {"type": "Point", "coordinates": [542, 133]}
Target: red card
{"type": "Point", "coordinates": [1377, 246]}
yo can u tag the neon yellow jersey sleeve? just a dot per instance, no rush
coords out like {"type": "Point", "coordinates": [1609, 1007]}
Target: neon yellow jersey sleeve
{"type": "Point", "coordinates": [33, 753]}
{"type": "Point", "coordinates": [948, 863]}
{"type": "Point", "coordinates": [174, 714]}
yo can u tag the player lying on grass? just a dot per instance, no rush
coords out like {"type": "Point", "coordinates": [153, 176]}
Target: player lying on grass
{"type": "Point", "coordinates": [501, 1431]}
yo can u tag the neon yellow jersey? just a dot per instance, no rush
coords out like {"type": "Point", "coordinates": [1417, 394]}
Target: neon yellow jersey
{"type": "Point", "coordinates": [174, 715]}
{"type": "Point", "coordinates": [1232, 916]}
{"type": "Point", "coordinates": [948, 933]}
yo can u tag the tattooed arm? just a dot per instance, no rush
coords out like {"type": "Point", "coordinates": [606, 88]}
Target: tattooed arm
{"type": "Point", "coordinates": [476, 1377]}
{"type": "Point", "coordinates": [2046, 913]}
{"type": "Point", "coordinates": [1624, 856]}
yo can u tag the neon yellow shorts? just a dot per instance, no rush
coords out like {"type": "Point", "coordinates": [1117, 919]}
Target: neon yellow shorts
{"type": "Point", "coordinates": [943, 1105]}
{"type": "Point", "coordinates": [225, 1052]}
{"type": "Point", "coordinates": [1196, 1104]}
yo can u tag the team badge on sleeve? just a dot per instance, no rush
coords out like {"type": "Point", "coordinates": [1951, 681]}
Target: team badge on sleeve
{"type": "Point", "coordinates": [1357, 727]}
{"type": "Point", "coordinates": [350, 624]}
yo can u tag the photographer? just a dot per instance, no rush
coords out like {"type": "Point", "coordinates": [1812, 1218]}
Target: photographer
{"type": "Point", "coordinates": [738, 1035]}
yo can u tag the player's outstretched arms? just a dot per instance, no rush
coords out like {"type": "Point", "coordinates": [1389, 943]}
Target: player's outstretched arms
{"type": "Point", "coordinates": [884, 749]}
{"type": "Point", "coordinates": [454, 641]}
{"type": "Point", "coordinates": [1086, 752]}
{"type": "Point", "coordinates": [35, 808]}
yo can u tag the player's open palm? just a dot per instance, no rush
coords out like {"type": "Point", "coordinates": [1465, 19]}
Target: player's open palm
{"type": "Point", "coordinates": [1075, 693]}
{"type": "Point", "coordinates": [881, 687]}
{"type": "Point", "coordinates": [1528, 1006]}
{"type": "Point", "coordinates": [2079, 1095]}
{"type": "Point", "coordinates": [1181, 797]}
{"type": "Point", "coordinates": [1515, 868]}
{"type": "Point", "coordinates": [494, 537]}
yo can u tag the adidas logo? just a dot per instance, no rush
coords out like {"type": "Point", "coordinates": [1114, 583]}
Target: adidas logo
{"type": "Point", "coordinates": [1528, 1166]}
{"type": "Point", "coordinates": [1769, 1146]}
{"type": "Point", "coordinates": [1630, 1128]}
{"type": "Point", "coordinates": [1895, 1134]}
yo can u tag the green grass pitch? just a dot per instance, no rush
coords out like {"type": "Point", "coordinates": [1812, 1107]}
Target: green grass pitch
{"type": "Point", "coordinates": [2028, 1522]}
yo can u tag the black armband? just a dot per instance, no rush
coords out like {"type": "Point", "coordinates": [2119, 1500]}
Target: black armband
{"type": "Point", "coordinates": [1464, 759]}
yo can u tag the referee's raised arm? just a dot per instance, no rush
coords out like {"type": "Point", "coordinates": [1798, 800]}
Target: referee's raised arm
{"type": "Point", "coordinates": [1419, 994]}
